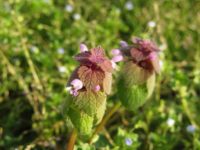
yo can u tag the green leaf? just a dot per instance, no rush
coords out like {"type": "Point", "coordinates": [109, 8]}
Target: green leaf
{"type": "Point", "coordinates": [135, 86]}
{"type": "Point", "coordinates": [90, 102]}
{"type": "Point", "coordinates": [81, 121]}
{"type": "Point", "coordinates": [132, 96]}
{"type": "Point", "coordinates": [135, 74]}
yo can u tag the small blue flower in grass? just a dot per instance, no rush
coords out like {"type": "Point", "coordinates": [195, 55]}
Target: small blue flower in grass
{"type": "Point", "coordinates": [47, 1]}
{"type": "Point", "coordinates": [129, 5]}
{"type": "Point", "coordinates": [69, 8]}
{"type": "Point", "coordinates": [191, 128]}
{"type": "Point", "coordinates": [61, 51]}
{"type": "Point", "coordinates": [128, 141]}
{"type": "Point", "coordinates": [34, 49]}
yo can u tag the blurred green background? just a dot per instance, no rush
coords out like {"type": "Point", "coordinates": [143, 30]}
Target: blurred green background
{"type": "Point", "coordinates": [38, 39]}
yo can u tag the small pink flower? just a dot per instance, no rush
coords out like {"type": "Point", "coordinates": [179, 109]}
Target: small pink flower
{"type": "Point", "coordinates": [152, 56]}
{"type": "Point", "coordinates": [97, 88]}
{"type": "Point", "coordinates": [83, 48]}
{"type": "Point", "coordinates": [77, 84]}
{"type": "Point", "coordinates": [116, 52]}
{"type": "Point", "coordinates": [117, 58]}
{"type": "Point", "coordinates": [123, 44]}
{"type": "Point", "coordinates": [75, 93]}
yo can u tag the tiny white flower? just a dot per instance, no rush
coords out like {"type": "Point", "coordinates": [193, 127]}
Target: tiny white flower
{"type": "Point", "coordinates": [118, 11]}
{"type": "Point", "coordinates": [61, 51]}
{"type": "Point", "coordinates": [151, 24]}
{"type": "Point", "coordinates": [68, 88]}
{"type": "Point", "coordinates": [162, 47]}
{"type": "Point", "coordinates": [191, 128]}
{"type": "Point", "coordinates": [170, 122]}
{"type": "Point", "coordinates": [77, 16]}
{"type": "Point", "coordinates": [114, 65]}
{"type": "Point", "coordinates": [7, 7]}
{"type": "Point", "coordinates": [34, 49]}
{"type": "Point", "coordinates": [47, 1]}
{"type": "Point", "coordinates": [161, 64]}
{"type": "Point", "coordinates": [62, 69]}
{"type": "Point", "coordinates": [69, 8]}
{"type": "Point", "coordinates": [129, 5]}
{"type": "Point", "coordinates": [128, 141]}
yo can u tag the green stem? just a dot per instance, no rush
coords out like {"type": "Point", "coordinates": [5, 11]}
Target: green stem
{"type": "Point", "coordinates": [72, 140]}
{"type": "Point", "coordinates": [104, 121]}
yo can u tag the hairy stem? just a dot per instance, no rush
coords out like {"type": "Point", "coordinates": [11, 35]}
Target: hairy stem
{"type": "Point", "coordinates": [72, 140]}
{"type": "Point", "coordinates": [104, 121]}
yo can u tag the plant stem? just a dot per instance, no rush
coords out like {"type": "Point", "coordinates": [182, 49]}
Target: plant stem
{"type": "Point", "coordinates": [104, 121]}
{"type": "Point", "coordinates": [72, 140]}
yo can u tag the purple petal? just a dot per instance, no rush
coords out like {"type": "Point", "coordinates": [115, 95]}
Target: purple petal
{"type": "Point", "coordinates": [128, 141]}
{"type": "Point", "coordinates": [75, 93]}
{"type": "Point", "coordinates": [97, 88]}
{"type": "Point", "coordinates": [116, 52]}
{"type": "Point", "coordinates": [152, 56]}
{"type": "Point", "coordinates": [123, 44]}
{"type": "Point", "coordinates": [83, 48]}
{"type": "Point", "coordinates": [117, 58]}
{"type": "Point", "coordinates": [77, 84]}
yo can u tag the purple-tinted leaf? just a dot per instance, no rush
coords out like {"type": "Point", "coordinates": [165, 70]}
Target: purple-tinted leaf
{"type": "Point", "coordinates": [137, 55]}
{"type": "Point", "coordinates": [83, 57]}
{"type": "Point", "coordinates": [106, 66]}
{"type": "Point", "coordinates": [90, 77]}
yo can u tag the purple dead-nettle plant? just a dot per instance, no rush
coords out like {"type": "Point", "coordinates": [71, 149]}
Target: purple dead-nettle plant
{"type": "Point", "coordinates": [89, 85]}
{"type": "Point", "coordinates": [137, 78]}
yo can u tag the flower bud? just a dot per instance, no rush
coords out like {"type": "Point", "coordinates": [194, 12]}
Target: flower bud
{"type": "Point", "coordinates": [137, 79]}
{"type": "Point", "coordinates": [123, 44]}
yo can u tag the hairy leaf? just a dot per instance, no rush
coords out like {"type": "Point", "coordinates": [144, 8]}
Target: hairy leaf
{"type": "Point", "coordinates": [89, 102]}
{"type": "Point", "coordinates": [90, 77]}
{"type": "Point", "coordinates": [81, 121]}
{"type": "Point", "coordinates": [135, 74]}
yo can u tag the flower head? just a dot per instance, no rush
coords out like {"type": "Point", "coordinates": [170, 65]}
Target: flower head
{"type": "Point", "coordinates": [129, 5]}
{"type": "Point", "coordinates": [69, 8]}
{"type": "Point", "coordinates": [61, 51]}
{"type": "Point", "coordinates": [143, 53]}
{"type": "Point", "coordinates": [151, 24]}
{"type": "Point", "coordinates": [128, 141]}
{"type": "Point", "coordinates": [62, 69]}
{"type": "Point", "coordinates": [191, 128]}
{"type": "Point", "coordinates": [77, 16]}
{"type": "Point", "coordinates": [93, 72]}
{"type": "Point", "coordinates": [170, 122]}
